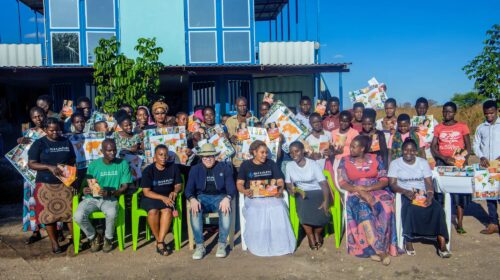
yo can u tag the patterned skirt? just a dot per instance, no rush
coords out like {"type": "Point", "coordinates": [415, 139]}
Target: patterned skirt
{"type": "Point", "coordinates": [53, 203]}
{"type": "Point", "coordinates": [371, 230]}
{"type": "Point", "coordinates": [29, 220]}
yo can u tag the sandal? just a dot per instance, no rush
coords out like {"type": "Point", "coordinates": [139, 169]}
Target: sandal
{"type": "Point", "coordinates": [57, 250]}
{"type": "Point", "coordinates": [162, 251]}
{"type": "Point", "coordinates": [36, 236]}
{"type": "Point", "coordinates": [461, 230]}
{"type": "Point", "coordinates": [376, 258]}
{"type": "Point", "coordinates": [410, 252]}
{"type": "Point", "coordinates": [444, 254]}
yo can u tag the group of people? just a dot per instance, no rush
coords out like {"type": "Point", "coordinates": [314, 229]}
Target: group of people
{"type": "Point", "coordinates": [369, 159]}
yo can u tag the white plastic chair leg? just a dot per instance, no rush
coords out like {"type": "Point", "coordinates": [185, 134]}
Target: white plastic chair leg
{"type": "Point", "coordinates": [242, 222]}
{"type": "Point", "coordinates": [399, 223]}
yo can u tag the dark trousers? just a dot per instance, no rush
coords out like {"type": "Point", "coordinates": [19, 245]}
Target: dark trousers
{"type": "Point", "coordinates": [492, 211]}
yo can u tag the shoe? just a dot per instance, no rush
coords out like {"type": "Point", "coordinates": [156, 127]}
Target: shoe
{"type": "Point", "coordinates": [444, 254]}
{"type": "Point", "coordinates": [376, 258]}
{"type": "Point", "coordinates": [58, 250]}
{"type": "Point", "coordinates": [108, 245]}
{"type": "Point", "coordinates": [199, 252]}
{"type": "Point", "coordinates": [221, 251]}
{"type": "Point", "coordinates": [490, 229]}
{"type": "Point", "coordinates": [163, 251]}
{"type": "Point", "coordinates": [36, 236]}
{"type": "Point", "coordinates": [95, 244]}
{"type": "Point", "coordinates": [461, 230]}
{"type": "Point", "coordinates": [410, 252]}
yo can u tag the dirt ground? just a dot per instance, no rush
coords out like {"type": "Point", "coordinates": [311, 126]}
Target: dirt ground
{"type": "Point", "coordinates": [475, 256]}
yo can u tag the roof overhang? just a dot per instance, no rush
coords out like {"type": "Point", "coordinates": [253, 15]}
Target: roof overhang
{"type": "Point", "coordinates": [36, 5]}
{"type": "Point", "coordinates": [268, 9]}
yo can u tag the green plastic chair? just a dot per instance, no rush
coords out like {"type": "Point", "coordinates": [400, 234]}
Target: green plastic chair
{"type": "Point", "coordinates": [137, 213]}
{"type": "Point", "coordinates": [335, 210]}
{"type": "Point", "coordinates": [119, 224]}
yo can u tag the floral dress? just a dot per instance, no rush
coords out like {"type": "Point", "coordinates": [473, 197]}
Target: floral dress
{"type": "Point", "coordinates": [371, 229]}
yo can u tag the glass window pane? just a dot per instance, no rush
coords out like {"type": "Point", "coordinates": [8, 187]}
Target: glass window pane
{"type": "Point", "coordinates": [203, 47]}
{"type": "Point", "coordinates": [65, 48]}
{"type": "Point", "coordinates": [201, 13]}
{"type": "Point", "coordinates": [237, 46]}
{"type": "Point", "coordinates": [100, 13]}
{"type": "Point", "coordinates": [93, 41]}
{"type": "Point", "coordinates": [63, 13]}
{"type": "Point", "coordinates": [235, 13]}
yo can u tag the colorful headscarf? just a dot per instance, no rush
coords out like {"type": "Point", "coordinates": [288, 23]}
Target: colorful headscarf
{"type": "Point", "coordinates": [150, 120]}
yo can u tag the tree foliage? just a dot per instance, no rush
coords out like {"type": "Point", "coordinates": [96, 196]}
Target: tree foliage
{"type": "Point", "coordinates": [485, 68]}
{"type": "Point", "coordinates": [121, 80]}
{"type": "Point", "coordinates": [469, 99]}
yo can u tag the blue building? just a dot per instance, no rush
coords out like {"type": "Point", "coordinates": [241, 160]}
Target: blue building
{"type": "Point", "coordinates": [213, 50]}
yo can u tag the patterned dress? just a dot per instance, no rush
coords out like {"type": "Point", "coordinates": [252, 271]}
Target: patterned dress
{"type": "Point", "coordinates": [371, 229]}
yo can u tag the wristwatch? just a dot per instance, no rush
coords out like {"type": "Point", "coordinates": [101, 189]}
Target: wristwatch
{"type": "Point", "coordinates": [229, 197]}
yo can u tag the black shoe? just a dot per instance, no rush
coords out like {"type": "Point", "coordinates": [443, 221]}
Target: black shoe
{"type": "Point", "coordinates": [57, 250]}
{"type": "Point", "coordinates": [36, 236]}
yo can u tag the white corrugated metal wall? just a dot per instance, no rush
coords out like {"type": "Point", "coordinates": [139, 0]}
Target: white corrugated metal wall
{"type": "Point", "coordinates": [20, 55]}
{"type": "Point", "coordinates": [287, 53]}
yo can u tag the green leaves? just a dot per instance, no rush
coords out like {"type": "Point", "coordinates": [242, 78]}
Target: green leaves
{"type": "Point", "coordinates": [121, 80]}
{"type": "Point", "coordinates": [485, 68]}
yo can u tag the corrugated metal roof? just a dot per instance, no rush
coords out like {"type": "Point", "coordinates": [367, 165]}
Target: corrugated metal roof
{"type": "Point", "coordinates": [287, 53]}
{"type": "Point", "coordinates": [20, 55]}
{"type": "Point", "coordinates": [268, 9]}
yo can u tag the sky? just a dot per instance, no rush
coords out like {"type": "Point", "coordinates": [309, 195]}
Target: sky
{"type": "Point", "coordinates": [417, 48]}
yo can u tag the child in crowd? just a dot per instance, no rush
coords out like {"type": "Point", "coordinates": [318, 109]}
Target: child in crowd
{"type": "Point", "coordinates": [397, 139]}
{"type": "Point", "coordinates": [357, 112]}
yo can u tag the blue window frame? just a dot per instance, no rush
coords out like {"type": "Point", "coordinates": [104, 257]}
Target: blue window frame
{"type": "Point", "coordinates": [75, 28]}
{"type": "Point", "coordinates": [229, 22]}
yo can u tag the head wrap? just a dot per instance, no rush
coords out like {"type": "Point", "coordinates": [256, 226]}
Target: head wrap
{"type": "Point", "coordinates": [159, 104]}
{"type": "Point", "coordinates": [199, 115]}
{"type": "Point", "coordinates": [150, 120]}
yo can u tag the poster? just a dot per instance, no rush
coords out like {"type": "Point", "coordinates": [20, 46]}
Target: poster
{"type": "Point", "coordinates": [321, 107]}
{"type": "Point", "coordinates": [372, 96]}
{"type": "Point", "coordinates": [425, 125]}
{"type": "Point", "coordinates": [135, 163]}
{"type": "Point", "coordinates": [87, 147]}
{"type": "Point", "coordinates": [18, 156]}
{"type": "Point", "coordinates": [243, 146]}
{"type": "Point", "coordinates": [69, 174]}
{"type": "Point", "coordinates": [454, 171]}
{"type": "Point", "coordinates": [288, 126]}
{"type": "Point", "coordinates": [486, 185]}
{"type": "Point", "coordinates": [172, 137]}
{"type": "Point", "coordinates": [264, 188]}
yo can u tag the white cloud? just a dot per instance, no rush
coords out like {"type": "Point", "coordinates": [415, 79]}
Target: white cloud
{"type": "Point", "coordinates": [338, 56]}
{"type": "Point", "coordinates": [33, 35]}
{"type": "Point", "coordinates": [39, 20]}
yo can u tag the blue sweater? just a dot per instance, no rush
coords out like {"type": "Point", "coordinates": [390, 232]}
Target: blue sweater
{"type": "Point", "coordinates": [197, 178]}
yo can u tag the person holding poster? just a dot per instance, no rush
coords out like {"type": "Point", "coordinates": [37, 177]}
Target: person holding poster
{"type": "Point", "coordinates": [304, 111]}
{"type": "Point", "coordinates": [403, 132]}
{"type": "Point", "coordinates": [268, 231]}
{"type": "Point", "coordinates": [378, 145]}
{"type": "Point", "coordinates": [319, 141]}
{"type": "Point", "coordinates": [487, 148]}
{"type": "Point", "coordinates": [388, 124]}
{"type": "Point", "coordinates": [107, 178]}
{"type": "Point", "coordinates": [127, 141]}
{"type": "Point", "coordinates": [53, 199]}
{"type": "Point", "coordinates": [161, 182]}
{"type": "Point", "coordinates": [343, 136]}
{"type": "Point", "coordinates": [449, 136]}
{"type": "Point", "coordinates": [313, 207]}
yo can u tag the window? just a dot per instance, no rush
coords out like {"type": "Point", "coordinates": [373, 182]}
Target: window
{"type": "Point", "coordinates": [201, 13]}
{"type": "Point", "coordinates": [202, 47]}
{"type": "Point", "coordinates": [100, 13]}
{"type": "Point", "coordinates": [64, 14]}
{"type": "Point", "coordinates": [235, 13]}
{"type": "Point", "coordinates": [237, 46]}
{"type": "Point", "coordinates": [93, 38]}
{"type": "Point", "coordinates": [65, 47]}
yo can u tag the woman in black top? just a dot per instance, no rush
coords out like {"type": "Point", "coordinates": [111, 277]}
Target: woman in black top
{"type": "Point", "coordinates": [378, 145]}
{"type": "Point", "coordinates": [161, 182]}
{"type": "Point", "coordinates": [53, 198]}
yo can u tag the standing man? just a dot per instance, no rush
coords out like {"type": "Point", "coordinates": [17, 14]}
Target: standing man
{"type": "Point", "coordinates": [332, 119]}
{"type": "Point", "coordinates": [486, 147]}
{"type": "Point", "coordinates": [263, 109]}
{"type": "Point", "coordinates": [305, 111]}
{"type": "Point", "coordinates": [232, 124]}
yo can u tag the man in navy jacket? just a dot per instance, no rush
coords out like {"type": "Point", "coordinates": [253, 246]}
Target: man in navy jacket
{"type": "Point", "coordinates": [210, 188]}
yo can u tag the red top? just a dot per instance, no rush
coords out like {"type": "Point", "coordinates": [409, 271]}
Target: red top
{"type": "Point", "coordinates": [331, 123]}
{"type": "Point", "coordinates": [367, 173]}
{"type": "Point", "coordinates": [451, 137]}
{"type": "Point", "coordinates": [357, 126]}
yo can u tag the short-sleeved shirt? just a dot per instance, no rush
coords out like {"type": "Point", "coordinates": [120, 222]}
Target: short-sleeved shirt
{"type": "Point", "coordinates": [306, 178]}
{"type": "Point", "coordinates": [110, 176]}
{"type": "Point", "coordinates": [161, 181]}
{"type": "Point", "coordinates": [451, 137]}
{"type": "Point", "coordinates": [250, 171]}
{"type": "Point", "coordinates": [410, 176]}
{"type": "Point", "coordinates": [50, 152]}
{"type": "Point", "coordinates": [331, 122]}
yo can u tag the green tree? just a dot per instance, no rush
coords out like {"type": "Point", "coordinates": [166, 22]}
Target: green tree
{"type": "Point", "coordinates": [485, 68]}
{"type": "Point", "coordinates": [121, 80]}
{"type": "Point", "coordinates": [469, 99]}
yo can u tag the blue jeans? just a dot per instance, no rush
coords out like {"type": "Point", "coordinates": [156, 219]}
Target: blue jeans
{"type": "Point", "coordinates": [210, 204]}
{"type": "Point", "coordinates": [492, 212]}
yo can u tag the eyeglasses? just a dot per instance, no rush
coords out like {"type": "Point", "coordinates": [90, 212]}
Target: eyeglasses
{"type": "Point", "coordinates": [208, 158]}
{"type": "Point", "coordinates": [160, 113]}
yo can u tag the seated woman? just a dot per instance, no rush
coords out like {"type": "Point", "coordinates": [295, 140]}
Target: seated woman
{"type": "Point", "coordinates": [371, 230]}
{"type": "Point", "coordinates": [268, 231]}
{"type": "Point", "coordinates": [313, 203]}
{"type": "Point", "coordinates": [422, 216]}
{"type": "Point", "coordinates": [210, 188]}
{"type": "Point", "coordinates": [161, 182]}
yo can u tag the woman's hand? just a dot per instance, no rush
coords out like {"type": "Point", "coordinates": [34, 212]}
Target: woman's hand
{"type": "Point", "coordinates": [195, 206]}
{"type": "Point", "coordinates": [225, 206]}
{"type": "Point", "coordinates": [325, 207]}
{"type": "Point", "coordinates": [409, 194]}
{"type": "Point", "coordinates": [450, 160]}
{"type": "Point", "coordinates": [484, 163]}
{"type": "Point", "coordinates": [168, 201]}
{"type": "Point", "coordinates": [428, 201]}
{"type": "Point", "coordinates": [56, 171]}
{"type": "Point", "coordinates": [366, 196]}
{"type": "Point", "coordinates": [172, 196]}
{"type": "Point", "coordinates": [280, 193]}
{"type": "Point", "coordinates": [316, 156]}
{"type": "Point", "coordinates": [248, 193]}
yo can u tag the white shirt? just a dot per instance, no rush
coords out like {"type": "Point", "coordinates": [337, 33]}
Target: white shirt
{"type": "Point", "coordinates": [306, 178]}
{"type": "Point", "coordinates": [303, 119]}
{"type": "Point", "coordinates": [316, 145]}
{"type": "Point", "coordinates": [410, 177]}
{"type": "Point", "coordinates": [486, 140]}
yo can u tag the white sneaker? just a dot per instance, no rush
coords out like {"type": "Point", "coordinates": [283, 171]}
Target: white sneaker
{"type": "Point", "coordinates": [199, 252]}
{"type": "Point", "coordinates": [221, 251]}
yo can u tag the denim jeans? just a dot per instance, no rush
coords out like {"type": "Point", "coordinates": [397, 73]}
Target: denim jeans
{"type": "Point", "coordinates": [492, 211]}
{"type": "Point", "coordinates": [210, 204]}
{"type": "Point", "coordinates": [89, 205]}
